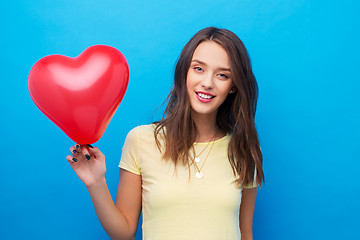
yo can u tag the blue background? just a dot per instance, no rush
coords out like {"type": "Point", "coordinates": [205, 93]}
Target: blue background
{"type": "Point", "coordinates": [304, 55]}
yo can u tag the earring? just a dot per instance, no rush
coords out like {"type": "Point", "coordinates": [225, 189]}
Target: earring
{"type": "Point", "coordinates": [232, 90]}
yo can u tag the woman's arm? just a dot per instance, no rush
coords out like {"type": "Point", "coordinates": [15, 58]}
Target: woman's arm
{"type": "Point", "coordinates": [120, 220]}
{"type": "Point", "coordinates": [247, 207]}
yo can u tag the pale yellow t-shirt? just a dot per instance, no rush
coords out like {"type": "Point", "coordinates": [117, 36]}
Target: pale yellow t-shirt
{"type": "Point", "coordinates": [176, 207]}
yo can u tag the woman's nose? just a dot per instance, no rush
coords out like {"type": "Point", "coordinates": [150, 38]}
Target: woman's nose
{"type": "Point", "coordinates": [207, 81]}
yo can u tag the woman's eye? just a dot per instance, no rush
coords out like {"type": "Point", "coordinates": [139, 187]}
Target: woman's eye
{"type": "Point", "coordinates": [223, 75]}
{"type": "Point", "coordinates": [198, 69]}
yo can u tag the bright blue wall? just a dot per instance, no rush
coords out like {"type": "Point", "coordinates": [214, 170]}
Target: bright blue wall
{"type": "Point", "coordinates": [304, 55]}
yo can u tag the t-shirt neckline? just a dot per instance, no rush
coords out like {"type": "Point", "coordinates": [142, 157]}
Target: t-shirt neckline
{"type": "Point", "coordinates": [214, 141]}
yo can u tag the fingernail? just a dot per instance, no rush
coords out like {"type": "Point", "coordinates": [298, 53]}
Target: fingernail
{"type": "Point", "coordinates": [77, 146]}
{"type": "Point", "coordinates": [87, 156]}
{"type": "Point", "coordinates": [90, 146]}
{"type": "Point", "coordinates": [74, 159]}
{"type": "Point", "coordinates": [74, 151]}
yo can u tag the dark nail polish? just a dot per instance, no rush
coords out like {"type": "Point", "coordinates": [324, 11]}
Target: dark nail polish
{"type": "Point", "coordinates": [77, 146]}
{"type": "Point", "coordinates": [74, 159]}
{"type": "Point", "coordinates": [74, 151]}
{"type": "Point", "coordinates": [87, 156]}
{"type": "Point", "coordinates": [90, 146]}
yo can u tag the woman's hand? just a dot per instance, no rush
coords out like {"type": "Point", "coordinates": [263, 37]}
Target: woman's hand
{"type": "Point", "coordinates": [88, 163]}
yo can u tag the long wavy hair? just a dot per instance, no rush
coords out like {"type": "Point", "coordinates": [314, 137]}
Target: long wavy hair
{"type": "Point", "coordinates": [235, 116]}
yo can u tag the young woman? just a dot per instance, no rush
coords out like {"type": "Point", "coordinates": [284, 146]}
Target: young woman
{"type": "Point", "coordinates": [196, 172]}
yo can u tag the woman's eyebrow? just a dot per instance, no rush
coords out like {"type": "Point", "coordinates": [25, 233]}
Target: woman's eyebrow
{"type": "Point", "coordinates": [201, 62]}
{"type": "Point", "coordinates": [224, 69]}
{"type": "Point", "coordinates": [198, 61]}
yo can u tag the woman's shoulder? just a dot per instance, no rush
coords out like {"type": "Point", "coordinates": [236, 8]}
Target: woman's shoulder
{"type": "Point", "coordinates": [142, 131]}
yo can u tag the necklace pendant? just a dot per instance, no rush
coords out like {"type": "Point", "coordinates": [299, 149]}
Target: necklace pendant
{"type": "Point", "coordinates": [199, 175]}
{"type": "Point", "coordinates": [197, 159]}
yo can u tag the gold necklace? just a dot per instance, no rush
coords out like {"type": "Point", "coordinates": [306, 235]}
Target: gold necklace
{"type": "Point", "coordinates": [199, 174]}
{"type": "Point", "coordinates": [197, 158]}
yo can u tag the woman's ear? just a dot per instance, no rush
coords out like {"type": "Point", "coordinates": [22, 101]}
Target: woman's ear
{"type": "Point", "coordinates": [232, 90]}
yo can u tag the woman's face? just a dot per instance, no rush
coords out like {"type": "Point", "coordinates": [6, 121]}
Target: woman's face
{"type": "Point", "coordinates": [208, 80]}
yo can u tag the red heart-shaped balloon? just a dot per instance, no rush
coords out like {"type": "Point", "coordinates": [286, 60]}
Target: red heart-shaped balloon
{"type": "Point", "coordinates": [80, 95]}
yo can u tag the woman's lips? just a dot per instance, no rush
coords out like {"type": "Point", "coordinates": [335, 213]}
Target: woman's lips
{"type": "Point", "coordinates": [204, 97]}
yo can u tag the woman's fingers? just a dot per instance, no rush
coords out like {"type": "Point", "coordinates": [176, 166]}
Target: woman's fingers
{"type": "Point", "coordinates": [85, 152]}
{"type": "Point", "coordinates": [95, 151]}
{"type": "Point", "coordinates": [80, 150]}
{"type": "Point", "coordinates": [74, 151]}
{"type": "Point", "coordinates": [71, 159]}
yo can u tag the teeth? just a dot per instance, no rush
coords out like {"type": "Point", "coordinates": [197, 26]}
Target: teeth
{"type": "Point", "coordinates": [204, 96]}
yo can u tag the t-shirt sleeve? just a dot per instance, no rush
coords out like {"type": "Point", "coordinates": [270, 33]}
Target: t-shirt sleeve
{"type": "Point", "coordinates": [254, 184]}
{"type": "Point", "coordinates": [129, 158]}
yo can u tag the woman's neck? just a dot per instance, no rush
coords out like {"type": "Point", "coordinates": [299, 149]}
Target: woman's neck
{"type": "Point", "coordinates": [206, 127]}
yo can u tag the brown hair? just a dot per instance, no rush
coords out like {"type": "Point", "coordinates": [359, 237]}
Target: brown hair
{"type": "Point", "coordinates": [236, 115]}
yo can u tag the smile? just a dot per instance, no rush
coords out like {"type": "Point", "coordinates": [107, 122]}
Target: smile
{"type": "Point", "coordinates": [204, 97]}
